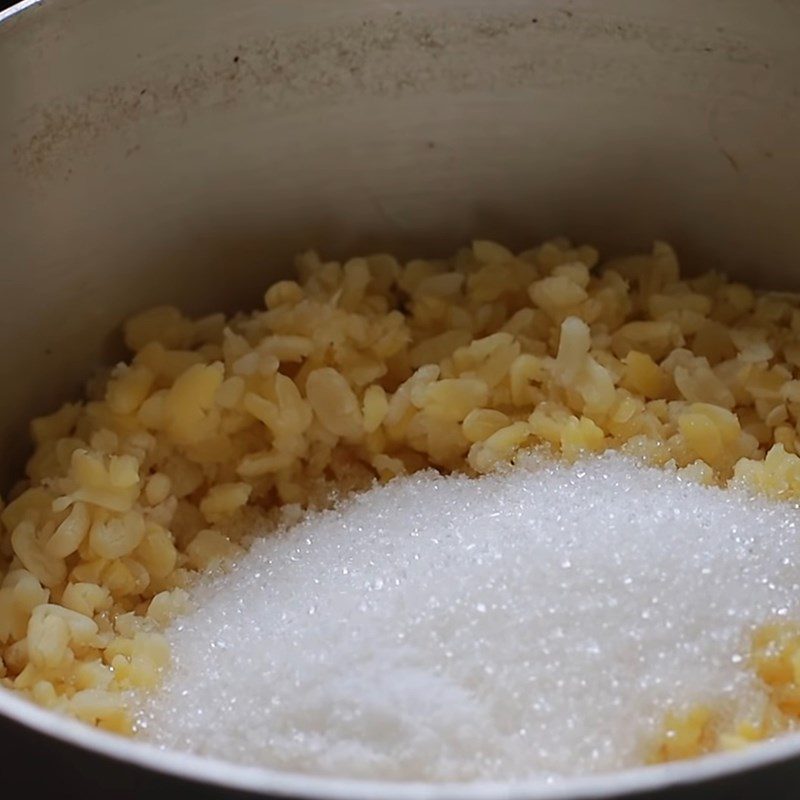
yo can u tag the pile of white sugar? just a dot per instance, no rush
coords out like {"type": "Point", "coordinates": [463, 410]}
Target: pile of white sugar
{"type": "Point", "coordinates": [535, 622]}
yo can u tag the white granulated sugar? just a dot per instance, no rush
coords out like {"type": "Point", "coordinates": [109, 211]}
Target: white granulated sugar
{"type": "Point", "coordinates": [531, 623]}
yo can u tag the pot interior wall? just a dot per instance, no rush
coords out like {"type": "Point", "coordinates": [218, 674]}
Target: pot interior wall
{"type": "Point", "coordinates": [179, 152]}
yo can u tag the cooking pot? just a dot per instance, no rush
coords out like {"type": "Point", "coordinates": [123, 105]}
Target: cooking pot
{"type": "Point", "coordinates": [180, 151]}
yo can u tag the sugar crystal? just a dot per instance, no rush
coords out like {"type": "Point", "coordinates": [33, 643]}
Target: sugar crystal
{"type": "Point", "coordinates": [535, 622]}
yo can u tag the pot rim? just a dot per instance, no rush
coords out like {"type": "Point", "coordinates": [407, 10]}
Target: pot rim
{"type": "Point", "coordinates": [12, 11]}
{"type": "Point", "coordinates": [273, 782]}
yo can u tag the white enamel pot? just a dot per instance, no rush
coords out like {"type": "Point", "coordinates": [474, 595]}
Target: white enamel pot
{"type": "Point", "coordinates": [180, 151]}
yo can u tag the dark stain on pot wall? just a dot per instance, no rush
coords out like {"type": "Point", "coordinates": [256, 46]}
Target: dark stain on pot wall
{"type": "Point", "coordinates": [389, 54]}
